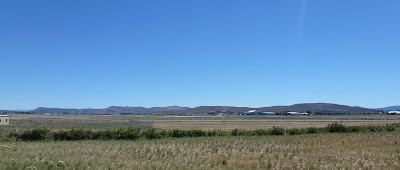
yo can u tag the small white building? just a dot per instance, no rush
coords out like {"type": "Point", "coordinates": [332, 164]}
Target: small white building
{"type": "Point", "coordinates": [304, 113]}
{"type": "Point", "coordinates": [294, 113]}
{"type": "Point", "coordinates": [4, 120]}
{"type": "Point", "coordinates": [269, 113]}
{"type": "Point", "coordinates": [394, 112]}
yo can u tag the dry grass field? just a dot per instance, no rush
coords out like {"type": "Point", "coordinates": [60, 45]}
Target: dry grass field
{"type": "Point", "coordinates": [21, 122]}
{"type": "Point", "coordinates": [228, 126]}
{"type": "Point", "coordinates": [322, 151]}
{"type": "Point", "coordinates": [124, 118]}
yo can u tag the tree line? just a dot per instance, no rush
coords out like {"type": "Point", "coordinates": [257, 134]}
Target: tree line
{"type": "Point", "coordinates": [134, 133]}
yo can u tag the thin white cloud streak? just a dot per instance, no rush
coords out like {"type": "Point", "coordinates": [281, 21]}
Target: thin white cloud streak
{"type": "Point", "coordinates": [302, 18]}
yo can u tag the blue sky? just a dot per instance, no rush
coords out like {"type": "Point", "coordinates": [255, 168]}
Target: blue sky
{"type": "Point", "coordinates": [93, 54]}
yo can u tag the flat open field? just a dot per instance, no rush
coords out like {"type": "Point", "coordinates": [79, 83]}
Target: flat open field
{"type": "Point", "coordinates": [321, 151]}
{"type": "Point", "coordinates": [227, 126]}
{"type": "Point", "coordinates": [379, 150]}
{"type": "Point", "coordinates": [55, 122]}
{"type": "Point", "coordinates": [119, 118]}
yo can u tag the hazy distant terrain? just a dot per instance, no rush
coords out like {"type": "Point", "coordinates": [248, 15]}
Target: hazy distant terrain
{"type": "Point", "coordinates": [319, 107]}
{"type": "Point", "coordinates": [111, 110]}
{"type": "Point", "coordinates": [5, 111]}
{"type": "Point", "coordinates": [326, 108]}
{"type": "Point", "coordinates": [390, 108]}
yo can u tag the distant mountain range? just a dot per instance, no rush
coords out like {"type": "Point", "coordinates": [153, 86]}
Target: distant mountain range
{"type": "Point", "coordinates": [326, 108]}
{"type": "Point", "coordinates": [320, 107]}
{"type": "Point", "coordinates": [111, 110]}
{"type": "Point", "coordinates": [4, 111]}
{"type": "Point", "coordinates": [390, 108]}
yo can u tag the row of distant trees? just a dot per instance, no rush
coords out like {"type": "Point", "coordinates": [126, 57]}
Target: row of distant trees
{"type": "Point", "coordinates": [133, 133]}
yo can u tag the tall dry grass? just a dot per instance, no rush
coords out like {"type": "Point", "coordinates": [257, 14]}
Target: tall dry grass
{"type": "Point", "coordinates": [228, 126]}
{"type": "Point", "coordinates": [322, 151]}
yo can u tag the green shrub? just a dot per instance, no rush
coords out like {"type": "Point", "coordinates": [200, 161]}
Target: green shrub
{"type": "Point", "coordinates": [391, 127]}
{"type": "Point", "coordinates": [296, 131]}
{"type": "Point", "coordinates": [277, 131]}
{"type": "Point", "coordinates": [60, 135]}
{"type": "Point", "coordinates": [197, 133]}
{"type": "Point", "coordinates": [336, 128]}
{"type": "Point", "coordinates": [13, 135]}
{"type": "Point", "coordinates": [313, 130]}
{"type": "Point", "coordinates": [77, 134]}
{"type": "Point", "coordinates": [129, 133]}
{"type": "Point", "coordinates": [151, 133]}
{"type": "Point", "coordinates": [216, 133]}
{"type": "Point", "coordinates": [261, 132]}
{"type": "Point", "coordinates": [177, 133]}
{"type": "Point", "coordinates": [74, 134]}
{"type": "Point", "coordinates": [132, 133]}
{"type": "Point", "coordinates": [356, 129]}
{"type": "Point", "coordinates": [34, 134]}
{"type": "Point", "coordinates": [377, 128]}
{"type": "Point", "coordinates": [237, 132]}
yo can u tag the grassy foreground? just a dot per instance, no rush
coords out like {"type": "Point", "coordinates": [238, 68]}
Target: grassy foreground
{"type": "Point", "coordinates": [379, 150]}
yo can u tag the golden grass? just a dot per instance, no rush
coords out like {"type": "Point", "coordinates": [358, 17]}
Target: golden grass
{"type": "Point", "coordinates": [21, 122]}
{"type": "Point", "coordinates": [323, 151]}
{"type": "Point", "coordinates": [126, 118]}
{"type": "Point", "coordinates": [227, 126]}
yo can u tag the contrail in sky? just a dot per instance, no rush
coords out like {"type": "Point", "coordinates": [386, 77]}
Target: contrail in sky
{"type": "Point", "coordinates": [302, 17]}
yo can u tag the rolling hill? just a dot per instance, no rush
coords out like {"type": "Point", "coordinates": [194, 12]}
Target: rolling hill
{"type": "Point", "coordinates": [110, 110]}
{"type": "Point", "coordinates": [328, 108]}
{"type": "Point", "coordinates": [325, 108]}
{"type": "Point", "coordinates": [390, 108]}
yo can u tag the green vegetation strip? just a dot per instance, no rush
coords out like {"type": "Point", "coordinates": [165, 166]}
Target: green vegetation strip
{"type": "Point", "coordinates": [133, 133]}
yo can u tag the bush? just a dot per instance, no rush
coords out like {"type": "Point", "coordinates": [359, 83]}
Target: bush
{"type": "Point", "coordinates": [313, 130]}
{"type": "Point", "coordinates": [237, 132]}
{"type": "Point", "coordinates": [336, 128]}
{"type": "Point", "coordinates": [132, 133]}
{"type": "Point", "coordinates": [277, 131]}
{"type": "Point", "coordinates": [375, 128]}
{"type": "Point", "coordinates": [151, 134]}
{"type": "Point", "coordinates": [129, 133]}
{"type": "Point", "coordinates": [60, 135]}
{"type": "Point", "coordinates": [74, 134]}
{"type": "Point", "coordinates": [391, 127]}
{"type": "Point", "coordinates": [34, 134]}
{"type": "Point", "coordinates": [197, 133]}
{"type": "Point", "coordinates": [13, 135]}
{"type": "Point", "coordinates": [176, 133]}
{"type": "Point", "coordinates": [356, 129]}
{"type": "Point", "coordinates": [79, 134]}
{"type": "Point", "coordinates": [261, 132]}
{"type": "Point", "coordinates": [216, 133]}
{"type": "Point", "coordinates": [296, 131]}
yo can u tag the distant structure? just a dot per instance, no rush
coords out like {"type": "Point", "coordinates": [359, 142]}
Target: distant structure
{"type": "Point", "coordinates": [394, 112]}
{"type": "Point", "coordinates": [4, 120]}
{"type": "Point", "coordinates": [305, 113]}
{"type": "Point", "coordinates": [258, 113]}
{"type": "Point", "coordinates": [219, 113]}
{"type": "Point", "coordinates": [294, 113]}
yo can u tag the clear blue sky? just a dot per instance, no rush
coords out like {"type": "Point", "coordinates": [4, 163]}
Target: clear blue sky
{"type": "Point", "coordinates": [93, 54]}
